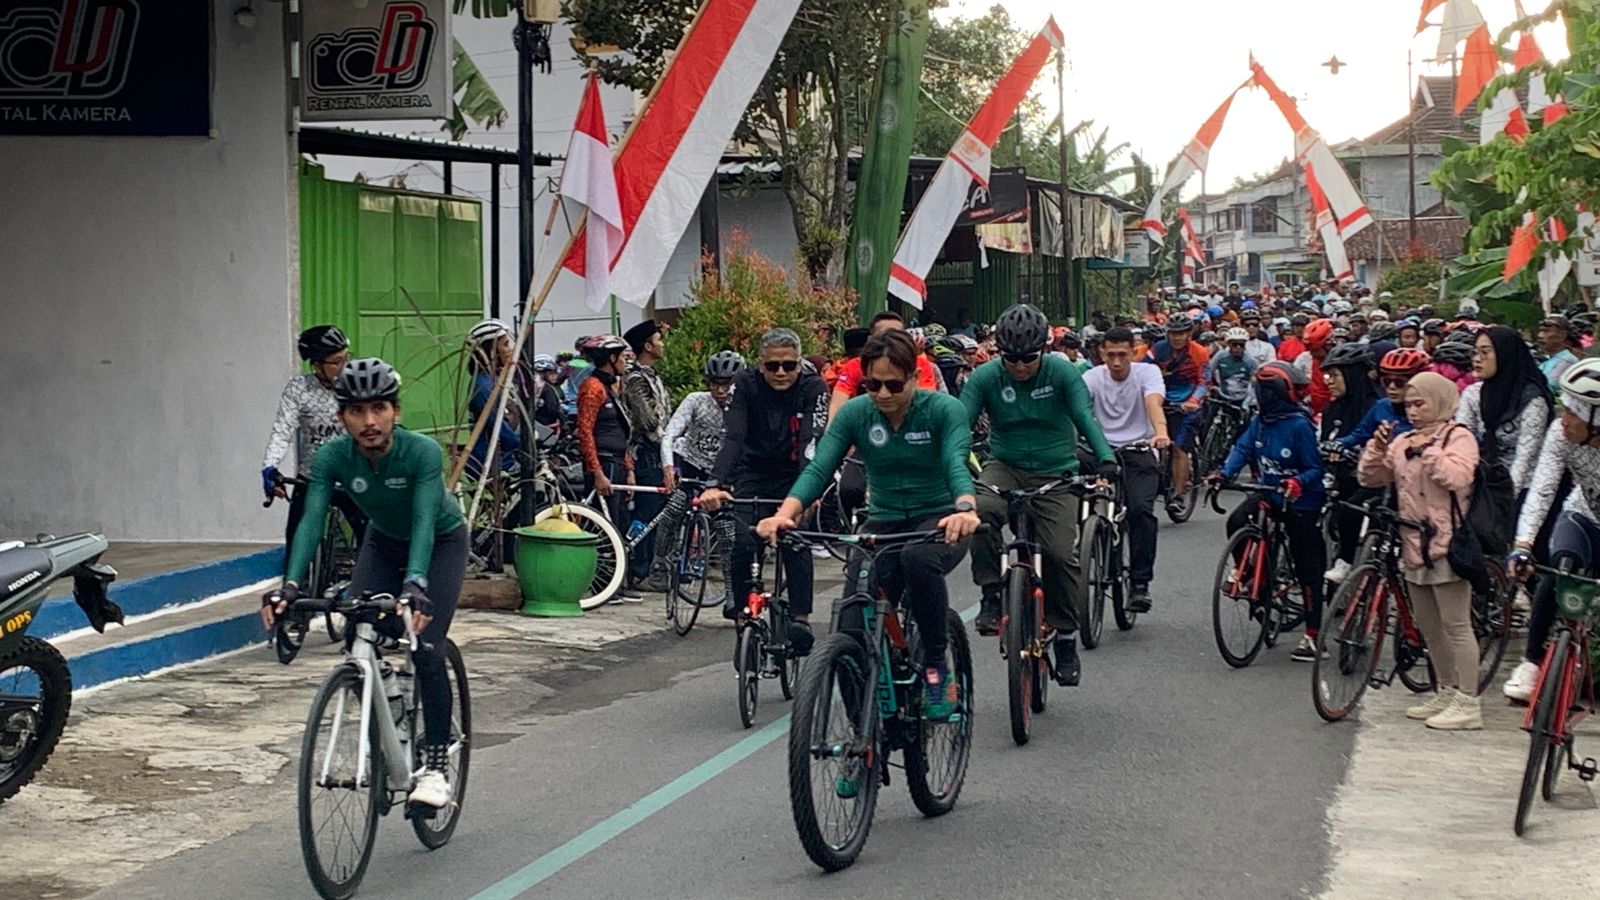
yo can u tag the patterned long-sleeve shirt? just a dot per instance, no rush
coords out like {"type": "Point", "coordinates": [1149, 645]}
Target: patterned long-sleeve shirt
{"type": "Point", "coordinates": [1518, 438]}
{"type": "Point", "coordinates": [1558, 457]}
{"type": "Point", "coordinates": [602, 425]}
{"type": "Point", "coordinates": [646, 399]}
{"type": "Point", "coordinates": [308, 417]}
{"type": "Point", "coordinates": [694, 434]}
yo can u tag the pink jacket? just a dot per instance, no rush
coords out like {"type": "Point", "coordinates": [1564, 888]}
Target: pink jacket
{"type": "Point", "coordinates": [1461, 378]}
{"type": "Point", "coordinates": [1446, 464]}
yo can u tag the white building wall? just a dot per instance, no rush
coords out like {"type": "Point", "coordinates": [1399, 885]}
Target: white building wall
{"type": "Point", "coordinates": [145, 315]}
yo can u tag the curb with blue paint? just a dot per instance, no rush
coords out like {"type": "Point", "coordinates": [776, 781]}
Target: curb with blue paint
{"type": "Point", "coordinates": [141, 596]}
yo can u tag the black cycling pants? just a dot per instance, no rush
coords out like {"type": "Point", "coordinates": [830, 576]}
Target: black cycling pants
{"type": "Point", "coordinates": [381, 568]}
{"type": "Point", "coordinates": [915, 573]}
{"type": "Point", "coordinates": [747, 548]}
{"type": "Point", "coordinates": [1577, 538]}
{"type": "Point", "coordinates": [1306, 550]}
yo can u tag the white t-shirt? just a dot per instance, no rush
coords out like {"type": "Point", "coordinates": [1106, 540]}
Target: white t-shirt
{"type": "Point", "coordinates": [1119, 405]}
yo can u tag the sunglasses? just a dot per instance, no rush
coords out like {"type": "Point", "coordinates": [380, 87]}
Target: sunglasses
{"type": "Point", "coordinates": [1391, 381]}
{"type": "Point", "coordinates": [1020, 358]}
{"type": "Point", "coordinates": [787, 365]}
{"type": "Point", "coordinates": [873, 385]}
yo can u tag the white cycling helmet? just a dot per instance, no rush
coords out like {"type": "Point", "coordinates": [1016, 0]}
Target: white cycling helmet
{"type": "Point", "coordinates": [488, 329]}
{"type": "Point", "coordinates": [1342, 306]}
{"type": "Point", "coordinates": [1378, 315]}
{"type": "Point", "coordinates": [1580, 389]}
{"type": "Point", "coordinates": [1237, 334]}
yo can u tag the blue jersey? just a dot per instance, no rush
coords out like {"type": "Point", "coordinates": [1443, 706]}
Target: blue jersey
{"type": "Point", "coordinates": [1277, 452]}
{"type": "Point", "coordinates": [1382, 411]}
{"type": "Point", "coordinates": [1231, 375]}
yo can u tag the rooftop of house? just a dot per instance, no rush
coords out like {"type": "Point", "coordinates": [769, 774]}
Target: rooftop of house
{"type": "Point", "coordinates": [1434, 102]}
{"type": "Point", "coordinates": [1444, 236]}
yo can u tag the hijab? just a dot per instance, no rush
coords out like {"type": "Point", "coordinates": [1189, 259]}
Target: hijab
{"type": "Point", "coordinates": [1272, 396]}
{"type": "Point", "coordinates": [1440, 397]}
{"type": "Point", "coordinates": [1344, 413]}
{"type": "Point", "coordinates": [1515, 372]}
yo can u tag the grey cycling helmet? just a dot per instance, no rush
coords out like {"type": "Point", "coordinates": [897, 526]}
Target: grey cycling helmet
{"type": "Point", "coordinates": [1382, 331]}
{"type": "Point", "coordinates": [1348, 354]}
{"type": "Point", "coordinates": [367, 380]}
{"type": "Point", "coordinates": [319, 342]}
{"type": "Point", "coordinates": [723, 365]}
{"type": "Point", "coordinates": [544, 362]}
{"type": "Point", "coordinates": [1022, 329]}
{"type": "Point", "coordinates": [1456, 353]}
{"type": "Point", "coordinates": [488, 329]}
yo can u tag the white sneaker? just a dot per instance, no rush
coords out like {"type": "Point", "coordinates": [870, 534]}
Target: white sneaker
{"type": "Point", "coordinates": [432, 789]}
{"type": "Point", "coordinates": [1519, 686]}
{"type": "Point", "coordinates": [626, 596]}
{"type": "Point", "coordinates": [820, 552]}
{"type": "Point", "coordinates": [1432, 706]}
{"type": "Point", "coordinates": [1338, 572]}
{"type": "Point", "coordinates": [1464, 713]}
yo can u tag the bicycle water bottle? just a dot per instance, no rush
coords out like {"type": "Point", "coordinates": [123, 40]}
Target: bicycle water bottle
{"type": "Point", "coordinates": [634, 530]}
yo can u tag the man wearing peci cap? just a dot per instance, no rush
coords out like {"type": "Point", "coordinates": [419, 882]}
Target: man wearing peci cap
{"type": "Point", "coordinates": [648, 405]}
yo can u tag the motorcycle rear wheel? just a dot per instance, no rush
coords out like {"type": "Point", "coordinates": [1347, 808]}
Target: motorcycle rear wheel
{"type": "Point", "coordinates": [37, 686]}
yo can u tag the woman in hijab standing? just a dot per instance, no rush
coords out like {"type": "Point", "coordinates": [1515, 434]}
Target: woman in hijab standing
{"type": "Point", "coordinates": [1348, 369]}
{"type": "Point", "coordinates": [1429, 466]}
{"type": "Point", "coordinates": [1509, 408]}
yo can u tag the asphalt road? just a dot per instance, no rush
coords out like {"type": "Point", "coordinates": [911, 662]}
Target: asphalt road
{"type": "Point", "coordinates": [1166, 775]}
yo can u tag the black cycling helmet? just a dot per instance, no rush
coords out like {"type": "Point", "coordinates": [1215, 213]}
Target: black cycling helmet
{"type": "Point", "coordinates": [1207, 338]}
{"type": "Point", "coordinates": [1180, 325]}
{"type": "Point", "coordinates": [601, 347]}
{"type": "Point", "coordinates": [1094, 339]}
{"type": "Point", "coordinates": [1424, 311]}
{"type": "Point", "coordinates": [319, 342]}
{"type": "Point", "coordinates": [1461, 336]}
{"type": "Point", "coordinates": [1348, 354]}
{"type": "Point", "coordinates": [1557, 320]}
{"type": "Point", "coordinates": [1456, 353]}
{"type": "Point", "coordinates": [1299, 319]}
{"type": "Point", "coordinates": [1022, 329]}
{"type": "Point", "coordinates": [1433, 326]}
{"type": "Point", "coordinates": [367, 380]}
{"type": "Point", "coordinates": [1382, 331]}
{"type": "Point", "coordinates": [723, 365]}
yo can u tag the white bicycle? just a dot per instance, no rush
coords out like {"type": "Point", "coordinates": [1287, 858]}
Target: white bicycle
{"type": "Point", "coordinates": [363, 748]}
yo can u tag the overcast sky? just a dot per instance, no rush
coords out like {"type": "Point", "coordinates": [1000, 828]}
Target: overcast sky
{"type": "Point", "coordinates": [1153, 70]}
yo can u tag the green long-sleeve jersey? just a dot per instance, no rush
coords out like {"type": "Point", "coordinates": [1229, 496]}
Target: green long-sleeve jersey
{"type": "Point", "coordinates": [403, 496]}
{"type": "Point", "coordinates": [916, 470]}
{"type": "Point", "coordinates": [1034, 424]}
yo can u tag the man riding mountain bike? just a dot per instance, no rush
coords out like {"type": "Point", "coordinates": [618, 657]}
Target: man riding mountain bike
{"type": "Point", "coordinates": [1037, 407]}
{"type": "Point", "coordinates": [308, 417]}
{"type": "Point", "coordinates": [416, 548]}
{"type": "Point", "coordinates": [1182, 363]}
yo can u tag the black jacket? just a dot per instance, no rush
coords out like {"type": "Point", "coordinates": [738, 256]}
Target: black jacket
{"type": "Point", "coordinates": [768, 434]}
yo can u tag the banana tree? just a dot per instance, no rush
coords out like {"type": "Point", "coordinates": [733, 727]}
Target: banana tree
{"type": "Point", "coordinates": [475, 96]}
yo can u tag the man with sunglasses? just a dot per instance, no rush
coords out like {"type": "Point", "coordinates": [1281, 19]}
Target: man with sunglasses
{"type": "Point", "coordinates": [848, 383]}
{"type": "Point", "coordinates": [1182, 363]}
{"type": "Point", "coordinates": [1037, 407]}
{"type": "Point", "coordinates": [775, 413]}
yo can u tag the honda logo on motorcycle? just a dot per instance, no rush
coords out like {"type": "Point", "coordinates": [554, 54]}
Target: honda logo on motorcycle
{"type": "Point", "coordinates": [381, 62]}
{"type": "Point", "coordinates": [104, 67]}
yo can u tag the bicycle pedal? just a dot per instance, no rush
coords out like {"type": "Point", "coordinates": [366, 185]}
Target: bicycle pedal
{"type": "Point", "coordinates": [1379, 680]}
{"type": "Point", "coordinates": [1587, 769]}
{"type": "Point", "coordinates": [423, 811]}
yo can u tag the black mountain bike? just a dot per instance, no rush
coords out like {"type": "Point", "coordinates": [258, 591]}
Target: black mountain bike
{"type": "Point", "coordinates": [860, 699]}
{"type": "Point", "coordinates": [330, 567]}
{"type": "Point", "coordinates": [1253, 598]}
{"type": "Point", "coordinates": [1221, 420]}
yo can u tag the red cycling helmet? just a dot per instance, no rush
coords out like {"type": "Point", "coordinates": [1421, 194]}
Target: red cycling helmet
{"type": "Point", "coordinates": [1404, 361]}
{"type": "Point", "coordinates": [1318, 333]}
{"type": "Point", "coordinates": [1295, 382]}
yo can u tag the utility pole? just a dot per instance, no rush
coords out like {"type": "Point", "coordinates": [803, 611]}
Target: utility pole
{"type": "Point", "coordinates": [1067, 298]}
{"type": "Point", "coordinates": [522, 37]}
{"type": "Point", "coordinates": [1411, 154]}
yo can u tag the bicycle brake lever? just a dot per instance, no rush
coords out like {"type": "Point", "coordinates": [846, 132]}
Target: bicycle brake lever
{"type": "Point", "coordinates": [403, 608]}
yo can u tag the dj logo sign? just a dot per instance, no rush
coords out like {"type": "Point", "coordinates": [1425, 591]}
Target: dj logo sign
{"type": "Point", "coordinates": [375, 63]}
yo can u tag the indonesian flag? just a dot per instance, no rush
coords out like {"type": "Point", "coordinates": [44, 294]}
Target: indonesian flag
{"type": "Point", "coordinates": [1193, 159]}
{"type": "Point", "coordinates": [1344, 203]}
{"type": "Point", "coordinates": [1539, 99]}
{"type": "Point", "coordinates": [1558, 265]}
{"type": "Point", "coordinates": [1524, 243]}
{"type": "Point", "coordinates": [589, 180]}
{"type": "Point", "coordinates": [1504, 116]}
{"type": "Point", "coordinates": [677, 141]}
{"type": "Point", "coordinates": [1194, 255]}
{"type": "Point", "coordinates": [1327, 228]}
{"type": "Point", "coordinates": [1428, 6]}
{"type": "Point", "coordinates": [967, 161]}
{"type": "Point", "coordinates": [1461, 20]}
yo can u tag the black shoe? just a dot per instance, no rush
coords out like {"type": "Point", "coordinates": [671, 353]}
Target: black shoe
{"type": "Point", "coordinates": [1068, 670]}
{"type": "Point", "coordinates": [988, 622]}
{"type": "Point", "coordinates": [658, 581]}
{"type": "Point", "coordinates": [731, 608]}
{"type": "Point", "coordinates": [1139, 602]}
{"type": "Point", "coordinates": [800, 639]}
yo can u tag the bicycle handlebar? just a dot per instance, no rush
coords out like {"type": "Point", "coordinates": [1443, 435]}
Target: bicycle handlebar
{"type": "Point", "coordinates": [369, 603]}
{"type": "Point", "coordinates": [296, 481]}
{"type": "Point", "coordinates": [1551, 570]}
{"type": "Point", "coordinates": [887, 541]}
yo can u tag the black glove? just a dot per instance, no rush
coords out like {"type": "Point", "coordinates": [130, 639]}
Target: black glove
{"type": "Point", "coordinates": [1109, 470]}
{"type": "Point", "coordinates": [287, 595]}
{"type": "Point", "coordinates": [418, 601]}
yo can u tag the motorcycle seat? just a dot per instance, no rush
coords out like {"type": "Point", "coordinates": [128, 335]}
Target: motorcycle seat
{"type": "Point", "coordinates": [22, 568]}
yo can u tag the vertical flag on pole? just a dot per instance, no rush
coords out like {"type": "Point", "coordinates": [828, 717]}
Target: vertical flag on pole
{"type": "Point", "coordinates": [1193, 159]}
{"type": "Point", "coordinates": [881, 186]}
{"type": "Point", "coordinates": [967, 161]}
{"type": "Point", "coordinates": [589, 180]}
{"type": "Point", "coordinates": [1194, 255]}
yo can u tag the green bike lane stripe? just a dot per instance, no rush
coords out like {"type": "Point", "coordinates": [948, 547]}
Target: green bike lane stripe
{"type": "Point", "coordinates": [552, 863]}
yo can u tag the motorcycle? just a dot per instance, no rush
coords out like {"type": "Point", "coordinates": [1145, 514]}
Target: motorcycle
{"type": "Point", "coordinates": [35, 683]}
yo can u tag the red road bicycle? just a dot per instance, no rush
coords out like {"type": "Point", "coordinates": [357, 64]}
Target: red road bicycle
{"type": "Point", "coordinates": [1563, 694]}
{"type": "Point", "coordinates": [1253, 599]}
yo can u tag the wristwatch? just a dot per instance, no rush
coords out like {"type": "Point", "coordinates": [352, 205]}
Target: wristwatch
{"type": "Point", "coordinates": [965, 506]}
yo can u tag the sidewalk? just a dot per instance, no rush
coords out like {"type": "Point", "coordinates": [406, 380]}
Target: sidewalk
{"type": "Point", "coordinates": [1428, 814]}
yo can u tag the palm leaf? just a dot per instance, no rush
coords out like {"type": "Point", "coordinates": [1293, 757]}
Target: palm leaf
{"type": "Point", "coordinates": [475, 97]}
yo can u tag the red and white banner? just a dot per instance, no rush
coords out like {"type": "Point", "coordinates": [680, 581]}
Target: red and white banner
{"type": "Point", "coordinates": [589, 180]}
{"type": "Point", "coordinates": [678, 140]}
{"type": "Point", "coordinates": [1327, 228]}
{"type": "Point", "coordinates": [1350, 213]}
{"type": "Point", "coordinates": [1193, 159]}
{"type": "Point", "coordinates": [1428, 6]}
{"type": "Point", "coordinates": [967, 161]}
{"type": "Point", "coordinates": [1194, 254]}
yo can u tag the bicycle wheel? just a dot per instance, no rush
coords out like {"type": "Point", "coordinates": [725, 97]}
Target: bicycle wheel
{"type": "Point", "coordinates": [1349, 643]}
{"type": "Point", "coordinates": [830, 757]}
{"type": "Point", "coordinates": [1238, 620]}
{"type": "Point", "coordinates": [1413, 665]}
{"type": "Point", "coordinates": [936, 763]}
{"type": "Point", "coordinates": [747, 664]}
{"type": "Point", "coordinates": [613, 552]}
{"type": "Point", "coordinates": [434, 830]}
{"type": "Point", "coordinates": [1540, 740]}
{"type": "Point", "coordinates": [288, 636]}
{"type": "Point", "coordinates": [1021, 630]}
{"type": "Point", "coordinates": [687, 578]}
{"type": "Point", "coordinates": [35, 697]}
{"type": "Point", "coordinates": [1125, 617]}
{"type": "Point", "coordinates": [1094, 565]}
{"type": "Point", "coordinates": [338, 810]}
{"type": "Point", "coordinates": [341, 563]}
{"type": "Point", "coordinates": [1491, 624]}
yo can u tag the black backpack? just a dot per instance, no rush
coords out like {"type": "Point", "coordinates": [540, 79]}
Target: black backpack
{"type": "Point", "coordinates": [1483, 530]}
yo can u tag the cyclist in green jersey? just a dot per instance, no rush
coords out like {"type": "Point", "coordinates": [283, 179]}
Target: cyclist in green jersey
{"type": "Point", "coordinates": [914, 444]}
{"type": "Point", "coordinates": [1038, 407]}
{"type": "Point", "coordinates": [416, 541]}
